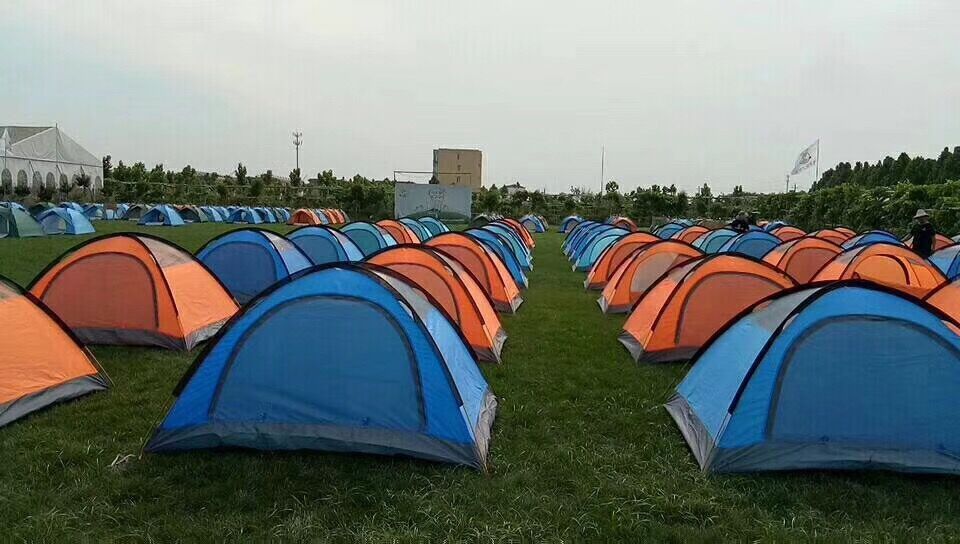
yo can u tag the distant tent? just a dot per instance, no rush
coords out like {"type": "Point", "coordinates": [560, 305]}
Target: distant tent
{"type": "Point", "coordinates": [690, 234]}
{"type": "Point", "coordinates": [64, 221]}
{"type": "Point", "coordinates": [454, 289]}
{"type": "Point", "coordinates": [326, 217]}
{"type": "Point", "coordinates": [485, 266]}
{"type": "Point", "coordinates": [939, 241]}
{"type": "Point", "coordinates": [516, 243]}
{"type": "Point", "coordinates": [519, 229]}
{"type": "Point", "coordinates": [266, 214]}
{"type": "Point", "coordinates": [592, 251]}
{"type": "Point", "coordinates": [843, 376]}
{"type": "Point", "coordinates": [693, 301]}
{"type": "Point", "coordinates": [323, 245]}
{"type": "Point", "coordinates": [613, 257]}
{"type": "Point", "coordinates": [368, 237]}
{"type": "Point", "coordinates": [162, 215]}
{"type": "Point", "coordinates": [400, 232]}
{"type": "Point", "coordinates": [417, 227]}
{"type": "Point", "coordinates": [480, 219]}
{"type": "Point", "coordinates": [16, 223]}
{"type": "Point", "coordinates": [501, 249]}
{"type": "Point", "coordinates": [250, 260]}
{"type": "Point", "coordinates": [212, 214]}
{"type": "Point", "coordinates": [304, 216]}
{"type": "Point", "coordinates": [871, 237]}
{"type": "Point", "coordinates": [774, 225]}
{"type": "Point", "coordinates": [192, 214]}
{"type": "Point", "coordinates": [668, 230]}
{"type": "Point", "coordinates": [134, 212]}
{"type": "Point", "coordinates": [830, 235]}
{"type": "Point", "coordinates": [803, 257]}
{"type": "Point", "coordinates": [275, 380]}
{"type": "Point", "coordinates": [625, 223]}
{"type": "Point", "coordinates": [640, 270]}
{"type": "Point", "coordinates": [711, 242]}
{"type": "Point", "coordinates": [94, 212]}
{"type": "Point", "coordinates": [121, 211]}
{"type": "Point", "coordinates": [849, 233]}
{"type": "Point", "coordinates": [39, 208]}
{"type": "Point", "coordinates": [533, 223]}
{"type": "Point", "coordinates": [577, 235]}
{"type": "Point", "coordinates": [282, 214]}
{"type": "Point", "coordinates": [786, 233]}
{"type": "Point", "coordinates": [435, 226]}
{"type": "Point", "coordinates": [569, 222]}
{"type": "Point", "coordinates": [72, 206]}
{"type": "Point", "coordinates": [157, 294]}
{"type": "Point", "coordinates": [41, 362]}
{"type": "Point", "coordinates": [754, 244]}
{"type": "Point", "coordinates": [892, 265]}
{"type": "Point", "coordinates": [576, 249]}
{"type": "Point", "coordinates": [245, 216]}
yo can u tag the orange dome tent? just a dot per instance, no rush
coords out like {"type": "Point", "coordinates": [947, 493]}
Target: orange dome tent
{"type": "Point", "coordinates": [304, 217]}
{"type": "Point", "coordinates": [41, 362]}
{"type": "Point", "coordinates": [400, 232]}
{"type": "Point", "coordinates": [848, 232]}
{"type": "Point", "coordinates": [625, 223]}
{"type": "Point", "coordinates": [803, 258]}
{"type": "Point", "coordinates": [613, 257]}
{"type": "Point", "coordinates": [487, 268]}
{"type": "Point", "coordinates": [692, 302]}
{"type": "Point", "coordinates": [134, 289]}
{"type": "Point", "coordinates": [830, 235]}
{"type": "Point", "coordinates": [787, 233]}
{"type": "Point", "coordinates": [690, 234]}
{"type": "Point", "coordinates": [946, 298]}
{"type": "Point", "coordinates": [640, 270]}
{"type": "Point", "coordinates": [939, 241]}
{"type": "Point", "coordinates": [887, 264]}
{"type": "Point", "coordinates": [454, 289]}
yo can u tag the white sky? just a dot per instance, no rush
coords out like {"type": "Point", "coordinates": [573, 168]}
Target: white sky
{"type": "Point", "coordinates": [678, 92]}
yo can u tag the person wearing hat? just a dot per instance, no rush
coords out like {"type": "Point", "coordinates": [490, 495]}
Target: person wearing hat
{"type": "Point", "coordinates": [923, 234]}
{"type": "Point", "coordinates": [740, 223]}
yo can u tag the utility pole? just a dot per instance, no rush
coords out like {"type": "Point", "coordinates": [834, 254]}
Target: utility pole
{"type": "Point", "coordinates": [603, 160]}
{"type": "Point", "coordinates": [788, 183]}
{"type": "Point", "coordinates": [297, 140]}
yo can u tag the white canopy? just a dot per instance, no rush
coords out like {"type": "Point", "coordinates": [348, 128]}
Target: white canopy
{"type": "Point", "coordinates": [37, 156]}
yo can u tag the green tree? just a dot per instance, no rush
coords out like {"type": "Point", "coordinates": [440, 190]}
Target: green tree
{"type": "Point", "coordinates": [240, 174]}
{"type": "Point", "coordinates": [295, 179]}
{"type": "Point", "coordinates": [107, 167]}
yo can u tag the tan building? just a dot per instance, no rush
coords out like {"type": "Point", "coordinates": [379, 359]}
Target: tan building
{"type": "Point", "coordinates": [458, 167]}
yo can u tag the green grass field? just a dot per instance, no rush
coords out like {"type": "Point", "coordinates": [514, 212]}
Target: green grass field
{"type": "Point", "coordinates": [582, 451]}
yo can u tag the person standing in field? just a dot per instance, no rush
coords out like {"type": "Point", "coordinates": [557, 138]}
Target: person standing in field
{"type": "Point", "coordinates": [923, 234]}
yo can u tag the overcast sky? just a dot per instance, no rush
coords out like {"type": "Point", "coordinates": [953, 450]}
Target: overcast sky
{"type": "Point", "coordinates": [678, 92]}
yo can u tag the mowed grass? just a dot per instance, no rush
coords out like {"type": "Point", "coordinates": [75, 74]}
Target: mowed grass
{"type": "Point", "coordinates": [582, 451]}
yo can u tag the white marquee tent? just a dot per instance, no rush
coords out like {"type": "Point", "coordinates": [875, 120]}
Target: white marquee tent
{"type": "Point", "coordinates": [38, 156]}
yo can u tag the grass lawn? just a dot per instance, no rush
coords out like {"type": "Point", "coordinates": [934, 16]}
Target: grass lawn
{"type": "Point", "coordinates": [582, 450]}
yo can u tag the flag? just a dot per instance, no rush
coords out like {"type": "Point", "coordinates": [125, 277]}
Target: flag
{"type": "Point", "coordinates": [808, 157]}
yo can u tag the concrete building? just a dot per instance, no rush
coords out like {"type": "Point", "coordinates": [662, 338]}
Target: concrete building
{"type": "Point", "coordinates": [458, 167]}
{"type": "Point", "coordinates": [514, 188]}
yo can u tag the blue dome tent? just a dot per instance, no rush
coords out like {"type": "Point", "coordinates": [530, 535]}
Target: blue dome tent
{"type": "Point", "coordinates": [533, 223]}
{"type": "Point", "coordinates": [501, 248]}
{"type": "Point", "coordinates": [94, 212]}
{"type": "Point", "coordinates": [266, 214]}
{"type": "Point", "coordinates": [247, 216]}
{"type": "Point", "coordinates": [774, 225]}
{"type": "Point", "coordinates": [712, 241]}
{"type": "Point", "coordinates": [837, 376]}
{"type": "Point", "coordinates": [516, 244]}
{"type": "Point", "coordinates": [668, 230]}
{"type": "Point", "coordinates": [368, 237]}
{"type": "Point", "coordinates": [584, 242]}
{"type": "Point", "coordinates": [324, 245]}
{"type": "Point", "coordinates": [435, 226]}
{"type": "Point", "coordinates": [72, 206]}
{"type": "Point", "coordinates": [755, 244]}
{"type": "Point", "coordinates": [275, 380]}
{"type": "Point", "coordinates": [422, 232]}
{"type": "Point", "coordinates": [582, 233]}
{"type": "Point", "coordinates": [594, 249]}
{"type": "Point", "coordinates": [64, 221]}
{"type": "Point", "coordinates": [947, 261]}
{"type": "Point", "coordinates": [872, 237]}
{"type": "Point", "coordinates": [212, 213]}
{"type": "Point", "coordinates": [249, 260]}
{"type": "Point", "coordinates": [575, 233]}
{"type": "Point", "coordinates": [162, 215]}
{"type": "Point", "coordinates": [569, 222]}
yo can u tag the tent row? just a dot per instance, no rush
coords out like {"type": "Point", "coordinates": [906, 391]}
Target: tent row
{"type": "Point", "coordinates": [393, 369]}
{"type": "Point", "coordinates": [866, 328]}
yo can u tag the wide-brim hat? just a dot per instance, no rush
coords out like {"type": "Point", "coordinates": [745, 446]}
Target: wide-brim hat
{"type": "Point", "coordinates": [921, 213]}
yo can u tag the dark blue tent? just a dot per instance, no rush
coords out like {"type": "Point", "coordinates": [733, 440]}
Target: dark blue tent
{"type": "Point", "coordinates": [581, 235]}
{"type": "Point", "coordinates": [324, 245]}
{"type": "Point", "coordinates": [569, 222]}
{"type": "Point", "coordinates": [162, 215]}
{"type": "Point", "coordinates": [575, 233]}
{"type": "Point", "coordinates": [517, 246]}
{"type": "Point", "coordinates": [288, 373]}
{"type": "Point", "coordinates": [754, 243]}
{"type": "Point", "coordinates": [369, 237]}
{"type": "Point", "coordinates": [248, 216]}
{"type": "Point", "coordinates": [872, 237]}
{"type": "Point", "coordinates": [668, 230]}
{"type": "Point", "coordinates": [584, 243]}
{"type": "Point", "coordinates": [837, 376]}
{"type": "Point", "coordinates": [592, 251]}
{"type": "Point", "coordinates": [712, 241]}
{"type": "Point", "coordinates": [422, 232]}
{"type": "Point", "coordinates": [947, 261]}
{"type": "Point", "coordinates": [435, 226]}
{"type": "Point", "coordinates": [248, 261]}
